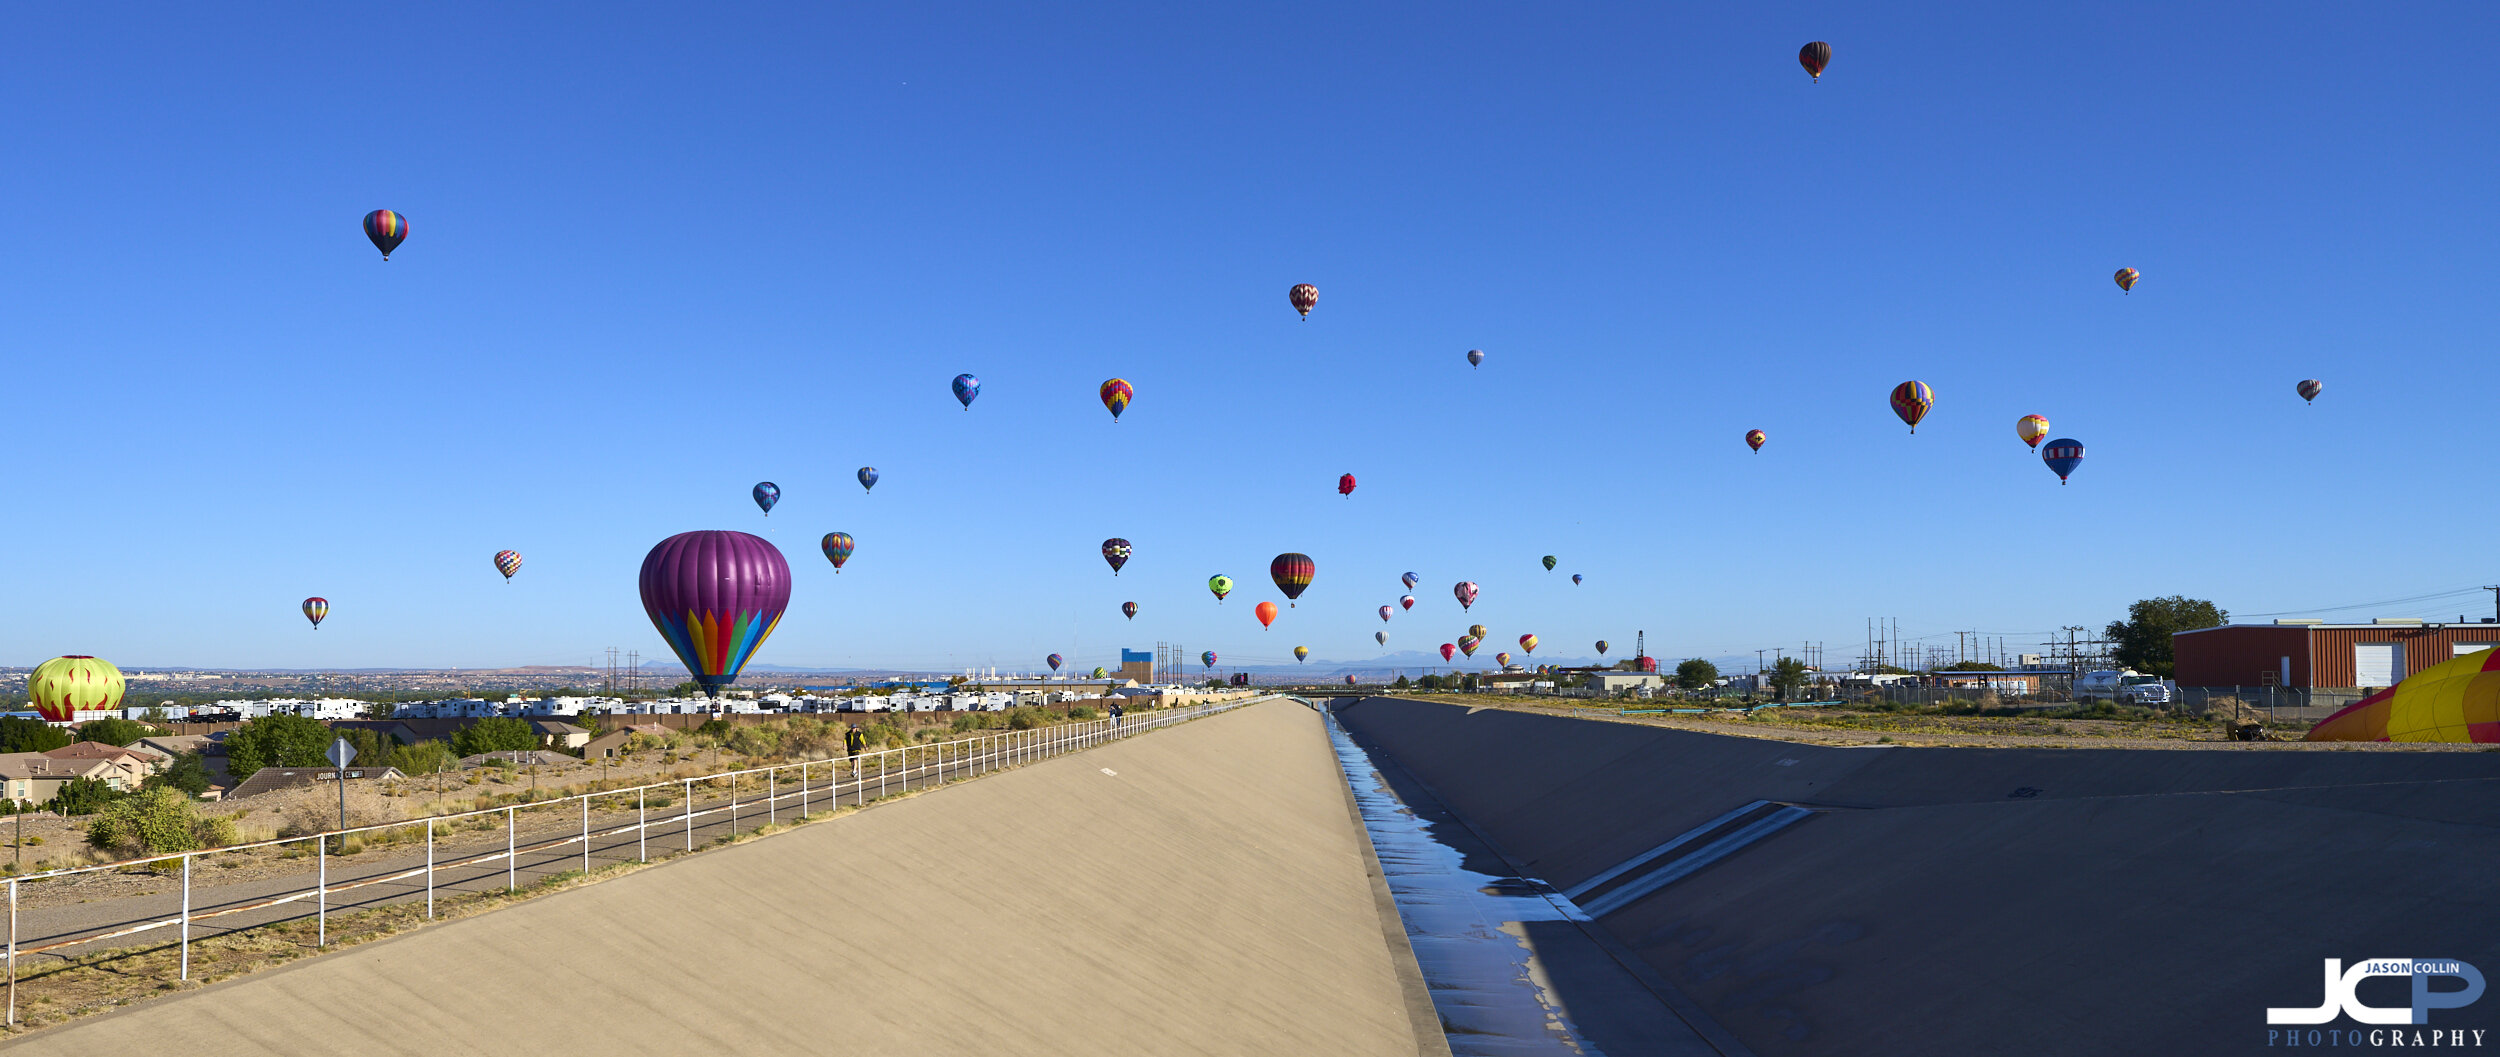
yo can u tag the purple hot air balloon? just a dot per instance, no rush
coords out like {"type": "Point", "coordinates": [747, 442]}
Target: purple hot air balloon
{"type": "Point", "coordinates": [715, 596]}
{"type": "Point", "coordinates": [1055, 660]}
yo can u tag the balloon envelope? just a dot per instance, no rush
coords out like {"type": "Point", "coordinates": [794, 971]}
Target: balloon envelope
{"type": "Point", "coordinates": [1266, 612]}
{"type": "Point", "coordinates": [1502, 659]}
{"type": "Point", "coordinates": [1207, 658]}
{"type": "Point", "coordinates": [1528, 643]}
{"type": "Point", "coordinates": [1575, 578]}
{"type": "Point", "coordinates": [1115, 396]}
{"type": "Point", "coordinates": [1406, 601]}
{"type": "Point", "coordinates": [2453, 701]}
{"type": "Point", "coordinates": [2062, 456]}
{"type": "Point", "coordinates": [387, 229]}
{"type": "Point", "coordinates": [766, 494]}
{"type": "Point", "coordinates": [966, 388]}
{"type": "Point", "coordinates": [715, 596]}
{"type": "Point", "coordinates": [1466, 592]}
{"type": "Point", "coordinates": [1115, 551]}
{"type": "Point", "coordinates": [1386, 612]}
{"type": "Point", "coordinates": [1100, 672]}
{"type": "Point", "coordinates": [1754, 439]}
{"type": "Point", "coordinates": [838, 546]}
{"type": "Point", "coordinates": [1549, 563]}
{"type": "Point", "coordinates": [1345, 484]}
{"type": "Point", "coordinates": [1601, 647]}
{"type": "Point", "coordinates": [2309, 389]}
{"type": "Point", "coordinates": [507, 563]}
{"type": "Point", "coordinates": [1381, 637]}
{"type": "Point", "coordinates": [1304, 297]}
{"type": "Point", "coordinates": [2126, 279]}
{"type": "Point", "coordinates": [1129, 610]}
{"type": "Point", "coordinates": [1911, 401]}
{"type": "Point", "coordinates": [1292, 572]}
{"type": "Point", "coordinates": [1448, 648]}
{"type": "Point", "coordinates": [1410, 580]}
{"type": "Point", "coordinates": [868, 478]}
{"type": "Point", "coordinates": [315, 609]}
{"type": "Point", "coordinates": [1467, 644]}
{"type": "Point", "coordinates": [1302, 653]}
{"type": "Point", "coordinates": [1478, 630]}
{"type": "Point", "coordinates": [1053, 660]}
{"type": "Point", "coordinates": [1475, 357]}
{"type": "Point", "coordinates": [2031, 428]}
{"type": "Point", "coordinates": [1814, 57]}
{"type": "Point", "coordinates": [62, 687]}
{"type": "Point", "coordinates": [1221, 585]}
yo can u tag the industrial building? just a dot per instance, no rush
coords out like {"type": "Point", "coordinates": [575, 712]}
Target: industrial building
{"type": "Point", "coordinates": [2315, 655]}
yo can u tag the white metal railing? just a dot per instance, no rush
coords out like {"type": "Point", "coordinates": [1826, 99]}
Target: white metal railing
{"type": "Point", "coordinates": [892, 769]}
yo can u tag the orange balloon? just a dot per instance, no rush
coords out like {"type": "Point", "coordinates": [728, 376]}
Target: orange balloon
{"type": "Point", "coordinates": [1266, 613]}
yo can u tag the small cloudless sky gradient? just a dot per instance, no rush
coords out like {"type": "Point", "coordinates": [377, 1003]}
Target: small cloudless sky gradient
{"type": "Point", "coordinates": [660, 253]}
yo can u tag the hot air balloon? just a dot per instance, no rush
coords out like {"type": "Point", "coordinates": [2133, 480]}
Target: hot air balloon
{"type": "Point", "coordinates": [1220, 584]}
{"type": "Point", "coordinates": [1381, 637]}
{"type": "Point", "coordinates": [1266, 612]}
{"type": "Point", "coordinates": [2454, 701]}
{"type": "Point", "coordinates": [1502, 659]}
{"type": "Point", "coordinates": [1406, 601]}
{"type": "Point", "coordinates": [1475, 357]}
{"type": "Point", "coordinates": [1207, 658]}
{"type": "Point", "coordinates": [766, 494]}
{"type": "Point", "coordinates": [1911, 400]}
{"type": "Point", "coordinates": [1304, 296]}
{"type": "Point", "coordinates": [1575, 579]}
{"type": "Point", "coordinates": [2126, 279]}
{"type": "Point", "coordinates": [1814, 57]}
{"type": "Point", "coordinates": [966, 388]}
{"type": "Point", "coordinates": [507, 563]}
{"type": "Point", "coordinates": [2309, 389]}
{"type": "Point", "coordinates": [315, 609]}
{"type": "Point", "coordinates": [1053, 661]}
{"type": "Point", "coordinates": [1100, 671]}
{"type": "Point", "coordinates": [1115, 551]}
{"type": "Point", "coordinates": [1754, 439]}
{"type": "Point", "coordinates": [62, 687]}
{"type": "Point", "coordinates": [1549, 563]}
{"type": "Point", "coordinates": [1292, 573]}
{"type": "Point", "coordinates": [1129, 610]}
{"type": "Point", "coordinates": [1345, 484]}
{"type": "Point", "coordinates": [1386, 613]}
{"type": "Point", "coordinates": [2031, 428]}
{"type": "Point", "coordinates": [1410, 580]}
{"type": "Point", "coordinates": [1479, 631]}
{"type": "Point", "coordinates": [1528, 643]}
{"type": "Point", "coordinates": [838, 549]}
{"type": "Point", "coordinates": [1448, 648]}
{"type": "Point", "coordinates": [715, 596]}
{"type": "Point", "coordinates": [1601, 647]}
{"type": "Point", "coordinates": [1349, 679]}
{"type": "Point", "coordinates": [387, 229]}
{"type": "Point", "coordinates": [1466, 592]}
{"type": "Point", "coordinates": [2062, 456]}
{"type": "Point", "coordinates": [1302, 653]}
{"type": "Point", "coordinates": [1467, 644]}
{"type": "Point", "coordinates": [868, 478]}
{"type": "Point", "coordinates": [1115, 396]}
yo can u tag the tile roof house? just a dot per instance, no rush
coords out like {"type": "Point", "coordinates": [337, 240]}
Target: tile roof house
{"type": "Point", "coordinates": [34, 778]}
{"type": "Point", "coordinates": [272, 779]}
{"type": "Point", "coordinates": [130, 766]}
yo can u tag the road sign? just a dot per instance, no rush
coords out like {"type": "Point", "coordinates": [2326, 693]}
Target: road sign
{"type": "Point", "coordinates": [342, 753]}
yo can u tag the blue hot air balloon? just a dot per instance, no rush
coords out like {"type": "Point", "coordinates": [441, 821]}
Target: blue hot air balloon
{"type": "Point", "coordinates": [967, 387]}
{"type": "Point", "coordinates": [868, 478]}
{"type": "Point", "coordinates": [2062, 456]}
{"type": "Point", "coordinates": [767, 494]}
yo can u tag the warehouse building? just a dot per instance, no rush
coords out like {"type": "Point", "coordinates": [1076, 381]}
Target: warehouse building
{"type": "Point", "coordinates": [2316, 655]}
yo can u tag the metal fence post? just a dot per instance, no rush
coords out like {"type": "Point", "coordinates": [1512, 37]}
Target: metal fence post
{"type": "Point", "coordinates": [511, 852]}
{"type": "Point", "coordinates": [642, 823]}
{"type": "Point", "coordinates": [12, 952]}
{"type": "Point", "coordinates": [802, 790]}
{"type": "Point", "coordinates": [186, 916]}
{"type": "Point", "coordinates": [429, 868]}
{"type": "Point", "coordinates": [321, 891]}
{"type": "Point", "coordinates": [881, 769]}
{"type": "Point", "coordinates": [689, 814]}
{"type": "Point", "coordinates": [733, 805]}
{"type": "Point", "coordinates": [772, 796]}
{"type": "Point", "coordinates": [586, 834]}
{"type": "Point", "coordinates": [939, 751]}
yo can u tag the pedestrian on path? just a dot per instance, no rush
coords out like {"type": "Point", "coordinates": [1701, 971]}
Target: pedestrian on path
{"type": "Point", "coordinates": [855, 739]}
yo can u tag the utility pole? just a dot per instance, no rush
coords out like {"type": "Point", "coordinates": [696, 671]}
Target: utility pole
{"type": "Point", "coordinates": [2495, 600]}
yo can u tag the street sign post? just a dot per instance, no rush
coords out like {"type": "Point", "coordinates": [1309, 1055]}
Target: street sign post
{"type": "Point", "coordinates": [341, 754]}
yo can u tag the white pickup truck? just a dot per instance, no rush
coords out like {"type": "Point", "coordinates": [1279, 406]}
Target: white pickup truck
{"type": "Point", "coordinates": [2124, 685]}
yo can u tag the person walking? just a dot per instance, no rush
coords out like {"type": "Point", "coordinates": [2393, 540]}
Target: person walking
{"type": "Point", "coordinates": [1116, 713]}
{"type": "Point", "coordinates": [855, 739]}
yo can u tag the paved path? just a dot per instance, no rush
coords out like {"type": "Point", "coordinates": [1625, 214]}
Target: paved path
{"type": "Point", "coordinates": [1202, 891]}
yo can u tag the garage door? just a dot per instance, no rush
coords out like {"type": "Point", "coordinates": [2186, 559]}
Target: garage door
{"type": "Point", "coordinates": [2464, 648]}
{"type": "Point", "coordinates": [2377, 663]}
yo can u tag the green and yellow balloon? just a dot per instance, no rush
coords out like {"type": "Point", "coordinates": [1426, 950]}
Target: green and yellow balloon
{"type": "Point", "coordinates": [65, 686]}
{"type": "Point", "coordinates": [1100, 673]}
{"type": "Point", "coordinates": [1220, 584]}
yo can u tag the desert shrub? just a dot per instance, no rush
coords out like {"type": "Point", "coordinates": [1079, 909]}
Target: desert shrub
{"type": "Point", "coordinates": [424, 757]}
{"type": "Point", "coordinates": [1023, 718]}
{"type": "Point", "coordinates": [754, 741]}
{"type": "Point", "coordinates": [1081, 712]}
{"type": "Point", "coordinates": [155, 822]}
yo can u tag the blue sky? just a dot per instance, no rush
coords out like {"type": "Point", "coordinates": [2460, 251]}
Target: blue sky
{"type": "Point", "coordinates": [659, 254]}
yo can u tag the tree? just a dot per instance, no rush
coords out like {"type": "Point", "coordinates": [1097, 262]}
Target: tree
{"type": "Point", "coordinates": [280, 739]}
{"type": "Point", "coordinates": [687, 689]}
{"type": "Point", "coordinates": [2143, 639]}
{"type": "Point", "coordinates": [1401, 684]}
{"type": "Point", "coordinates": [156, 822]}
{"type": "Point", "coordinates": [30, 735]}
{"type": "Point", "coordinates": [494, 734]}
{"type": "Point", "coordinates": [1787, 675]}
{"type": "Point", "coordinates": [84, 796]}
{"type": "Point", "coordinates": [187, 774]}
{"type": "Point", "coordinates": [1696, 674]}
{"type": "Point", "coordinates": [1971, 666]}
{"type": "Point", "coordinates": [424, 757]}
{"type": "Point", "coordinates": [373, 748]}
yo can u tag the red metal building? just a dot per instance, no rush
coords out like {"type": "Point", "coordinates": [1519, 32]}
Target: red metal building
{"type": "Point", "coordinates": [2310, 654]}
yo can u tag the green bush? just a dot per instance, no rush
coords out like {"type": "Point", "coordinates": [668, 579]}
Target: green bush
{"type": "Point", "coordinates": [279, 740]}
{"type": "Point", "coordinates": [156, 822]}
{"type": "Point", "coordinates": [494, 734]}
{"type": "Point", "coordinates": [424, 757]}
{"type": "Point", "coordinates": [1081, 712]}
{"type": "Point", "coordinates": [18, 734]}
{"type": "Point", "coordinates": [187, 774]}
{"type": "Point", "coordinates": [85, 796]}
{"type": "Point", "coordinates": [754, 741]}
{"type": "Point", "coordinates": [714, 728]}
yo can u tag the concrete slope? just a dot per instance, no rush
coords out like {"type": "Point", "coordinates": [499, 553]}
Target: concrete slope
{"type": "Point", "coordinates": [1960, 901]}
{"type": "Point", "coordinates": [1201, 890]}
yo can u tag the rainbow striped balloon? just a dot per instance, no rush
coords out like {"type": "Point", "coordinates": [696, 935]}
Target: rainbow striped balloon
{"type": "Point", "coordinates": [715, 596]}
{"type": "Point", "coordinates": [315, 609]}
{"type": "Point", "coordinates": [507, 563]}
{"type": "Point", "coordinates": [387, 229]}
{"type": "Point", "coordinates": [1912, 401]}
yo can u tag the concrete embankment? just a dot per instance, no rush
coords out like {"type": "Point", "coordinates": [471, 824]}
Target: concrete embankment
{"type": "Point", "coordinates": [1954, 901]}
{"type": "Point", "coordinates": [1201, 890]}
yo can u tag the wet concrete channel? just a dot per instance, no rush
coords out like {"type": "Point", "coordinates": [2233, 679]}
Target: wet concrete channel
{"type": "Point", "coordinates": [1511, 970]}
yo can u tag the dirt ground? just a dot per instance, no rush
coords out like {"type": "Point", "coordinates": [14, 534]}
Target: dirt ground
{"type": "Point", "coordinates": [1846, 726]}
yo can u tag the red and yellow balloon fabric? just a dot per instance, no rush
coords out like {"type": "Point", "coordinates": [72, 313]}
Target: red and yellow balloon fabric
{"type": "Point", "coordinates": [507, 563]}
{"type": "Point", "coordinates": [1292, 572]}
{"type": "Point", "coordinates": [2031, 428]}
{"type": "Point", "coordinates": [2125, 279]}
{"type": "Point", "coordinates": [1814, 56]}
{"type": "Point", "coordinates": [2456, 701]}
{"type": "Point", "coordinates": [1912, 400]}
{"type": "Point", "coordinates": [1528, 643]}
{"type": "Point", "coordinates": [62, 687]}
{"type": "Point", "coordinates": [1754, 439]}
{"type": "Point", "coordinates": [1116, 394]}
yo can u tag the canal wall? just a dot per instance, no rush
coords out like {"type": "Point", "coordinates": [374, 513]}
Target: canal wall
{"type": "Point", "coordinates": [1831, 900]}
